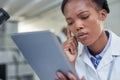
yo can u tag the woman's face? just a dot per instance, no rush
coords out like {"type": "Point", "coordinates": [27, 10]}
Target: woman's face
{"type": "Point", "coordinates": [84, 21]}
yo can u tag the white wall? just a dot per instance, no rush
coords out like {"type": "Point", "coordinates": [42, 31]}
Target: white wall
{"type": "Point", "coordinates": [113, 20]}
{"type": "Point", "coordinates": [53, 19]}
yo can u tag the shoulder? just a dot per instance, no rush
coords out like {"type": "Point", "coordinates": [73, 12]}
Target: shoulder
{"type": "Point", "coordinates": [115, 38]}
{"type": "Point", "coordinates": [115, 41]}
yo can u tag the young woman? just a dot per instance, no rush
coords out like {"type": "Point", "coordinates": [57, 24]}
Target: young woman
{"type": "Point", "coordinates": [100, 57]}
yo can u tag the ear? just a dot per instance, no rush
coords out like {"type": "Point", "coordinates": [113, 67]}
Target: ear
{"type": "Point", "coordinates": [102, 14]}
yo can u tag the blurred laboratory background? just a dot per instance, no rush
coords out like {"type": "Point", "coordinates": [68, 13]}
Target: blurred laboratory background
{"type": "Point", "coordinates": [36, 15]}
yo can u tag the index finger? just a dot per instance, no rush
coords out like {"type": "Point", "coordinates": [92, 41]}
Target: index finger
{"type": "Point", "coordinates": [68, 34]}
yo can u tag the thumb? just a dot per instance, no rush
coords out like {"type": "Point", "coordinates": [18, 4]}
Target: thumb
{"type": "Point", "coordinates": [71, 76]}
{"type": "Point", "coordinates": [83, 78]}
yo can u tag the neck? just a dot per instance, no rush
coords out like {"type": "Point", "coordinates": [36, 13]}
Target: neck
{"type": "Point", "coordinates": [99, 45]}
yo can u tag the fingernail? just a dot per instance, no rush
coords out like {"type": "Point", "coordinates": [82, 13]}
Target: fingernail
{"type": "Point", "coordinates": [83, 78]}
{"type": "Point", "coordinates": [69, 75]}
{"type": "Point", "coordinates": [58, 74]}
{"type": "Point", "coordinates": [56, 78]}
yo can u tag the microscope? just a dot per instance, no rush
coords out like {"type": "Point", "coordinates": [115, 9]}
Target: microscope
{"type": "Point", "coordinates": [4, 16]}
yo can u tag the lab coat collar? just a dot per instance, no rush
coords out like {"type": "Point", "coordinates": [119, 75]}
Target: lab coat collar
{"type": "Point", "coordinates": [86, 60]}
{"type": "Point", "coordinates": [113, 51]}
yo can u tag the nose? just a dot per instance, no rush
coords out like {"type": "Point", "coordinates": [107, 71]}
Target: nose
{"type": "Point", "coordinates": [79, 25]}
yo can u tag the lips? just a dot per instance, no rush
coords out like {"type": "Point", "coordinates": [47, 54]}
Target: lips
{"type": "Point", "coordinates": [82, 36]}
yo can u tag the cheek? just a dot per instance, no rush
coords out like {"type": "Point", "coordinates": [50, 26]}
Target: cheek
{"type": "Point", "coordinates": [94, 30]}
{"type": "Point", "coordinates": [95, 33]}
{"type": "Point", "coordinates": [94, 25]}
{"type": "Point", "coordinates": [73, 31]}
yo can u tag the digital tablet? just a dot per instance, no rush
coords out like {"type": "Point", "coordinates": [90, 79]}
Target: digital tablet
{"type": "Point", "coordinates": [43, 52]}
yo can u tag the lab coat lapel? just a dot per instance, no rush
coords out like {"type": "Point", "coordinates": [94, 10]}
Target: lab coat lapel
{"type": "Point", "coordinates": [112, 51]}
{"type": "Point", "coordinates": [107, 59]}
{"type": "Point", "coordinates": [86, 60]}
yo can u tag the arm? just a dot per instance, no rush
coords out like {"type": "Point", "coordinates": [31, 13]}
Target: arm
{"type": "Point", "coordinates": [71, 47]}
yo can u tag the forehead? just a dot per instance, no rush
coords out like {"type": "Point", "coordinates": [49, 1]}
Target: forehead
{"type": "Point", "coordinates": [76, 5]}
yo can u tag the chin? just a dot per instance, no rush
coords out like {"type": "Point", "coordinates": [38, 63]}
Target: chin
{"type": "Point", "coordinates": [86, 43]}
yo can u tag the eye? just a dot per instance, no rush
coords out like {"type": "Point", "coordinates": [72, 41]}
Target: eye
{"type": "Point", "coordinates": [84, 17]}
{"type": "Point", "coordinates": [70, 22]}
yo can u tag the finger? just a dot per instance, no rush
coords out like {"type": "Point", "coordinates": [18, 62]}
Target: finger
{"type": "Point", "coordinates": [71, 41]}
{"type": "Point", "coordinates": [68, 50]}
{"type": "Point", "coordinates": [71, 76]}
{"type": "Point", "coordinates": [71, 47]}
{"type": "Point", "coordinates": [72, 44]}
{"type": "Point", "coordinates": [68, 34]}
{"type": "Point", "coordinates": [83, 78]}
{"type": "Point", "coordinates": [61, 76]}
{"type": "Point", "coordinates": [75, 40]}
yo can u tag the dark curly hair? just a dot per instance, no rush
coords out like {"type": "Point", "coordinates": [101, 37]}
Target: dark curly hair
{"type": "Point", "coordinates": [103, 4]}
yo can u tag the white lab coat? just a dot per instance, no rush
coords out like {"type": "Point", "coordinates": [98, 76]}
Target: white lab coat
{"type": "Point", "coordinates": [109, 66]}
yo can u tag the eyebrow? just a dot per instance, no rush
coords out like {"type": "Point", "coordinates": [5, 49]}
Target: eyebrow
{"type": "Point", "coordinates": [79, 13]}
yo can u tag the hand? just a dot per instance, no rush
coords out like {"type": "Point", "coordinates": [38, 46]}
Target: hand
{"type": "Point", "coordinates": [70, 76]}
{"type": "Point", "coordinates": [71, 47]}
